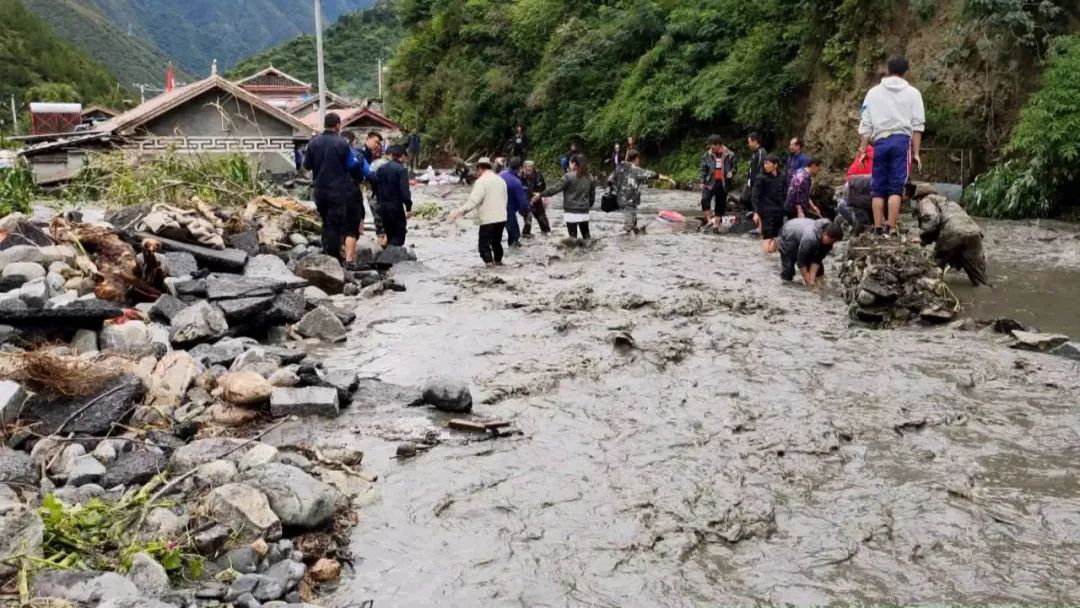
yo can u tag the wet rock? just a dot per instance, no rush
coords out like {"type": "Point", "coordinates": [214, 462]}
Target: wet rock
{"type": "Point", "coordinates": [230, 286]}
{"type": "Point", "coordinates": [345, 382]}
{"type": "Point", "coordinates": [166, 308]}
{"type": "Point", "coordinates": [178, 263]}
{"type": "Point", "coordinates": [172, 378]}
{"type": "Point", "coordinates": [407, 450]}
{"type": "Point", "coordinates": [240, 310]}
{"type": "Point", "coordinates": [288, 307]}
{"type": "Point", "coordinates": [284, 377]}
{"type": "Point", "coordinates": [216, 473]}
{"type": "Point", "coordinates": [448, 395]}
{"type": "Point", "coordinates": [246, 241]}
{"type": "Point", "coordinates": [287, 572]}
{"type": "Point", "coordinates": [246, 388]}
{"type": "Point", "coordinates": [246, 600]}
{"type": "Point", "coordinates": [85, 587]}
{"type": "Point", "coordinates": [325, 570]}
{"type": "Point", "coordinates": [35, 294]}
{"type": "Point", "coordinates": [393, 255]}
{"type": "Point", "coordinates": [345, 316]}
{"type": "Point", "coordinates": [1070, 350]}
{"type": "Point", "coordinates": [211, 540]}
{"type": "Point", "coordinates": [297, 498]}
{"type": "Point", "coordinates": [245, 511]}
{"type": "Point", "coordinates": [20, 254]}
{"type": "Point", "coordinates": [322, 271]}
{"type": "Point", "coordinates": [222, 352]}
{"type": "Point", "coordinates": [261, 587]}
{"type": "Point", "coordinates": [148, 576]}
{"type": "Point", "coordinates": [85, 470]}
{"type": "Point", "coordinates": [1029, 340]}
{"type": "Point", "coordinates": [23, 272]}
{"type": "Point", "coordinates": [205, 450]}
{"type": "Point", "coordinates": [93, 415]}
{"type": "Point", "coordinates": [162, 523]}
{"type": "Point", "coordinates": [134, 468]}
{"type": "Point", "coordinates": [258, 455]}
{"type": "Point", "coordinates": [223, 260]}
{"type": "Point", "coordinates": [62, 465]}
{"type": "Point", "coordinates": [21, 533]}
{"type": "Point", "coordinates": [322, 324]}
{"type": "Point", "coordinates": [244, 560]}
{"type": "Point", "coordinates": [199, 322]}
{"type": "Point", "coordinates": [315, 296]}
{"type": "Point", "coordinates": [307, 401]}
{"type": "Point", "coordinates": [12, 397]}
{"type": "Point", "coordinates": [85, 341]}
{"type": "Point", "coordinates": [284, 354]}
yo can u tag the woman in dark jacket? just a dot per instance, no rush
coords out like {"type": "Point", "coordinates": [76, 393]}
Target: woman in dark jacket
{"type": "Point", "coordinates": [579, 193]}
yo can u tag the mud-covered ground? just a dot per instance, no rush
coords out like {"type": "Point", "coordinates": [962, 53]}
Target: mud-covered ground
{"type": "Point", "coordinates": [749, 447]}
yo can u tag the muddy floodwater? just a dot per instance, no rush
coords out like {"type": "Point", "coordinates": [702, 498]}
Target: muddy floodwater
{"type": "Point", "coordinates": [740, 443]}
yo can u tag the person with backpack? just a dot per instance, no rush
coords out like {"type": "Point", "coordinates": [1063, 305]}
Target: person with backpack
{"type": "Point", "coordinates": [336, 172]}
{"type": "Point", "coordinates": [627, 180]}
{"type": "Point", "coordinates": [579, 194]}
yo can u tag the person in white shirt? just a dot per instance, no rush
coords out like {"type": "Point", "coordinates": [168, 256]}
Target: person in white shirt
{"type": "Point", "coordinates": [488, 199]}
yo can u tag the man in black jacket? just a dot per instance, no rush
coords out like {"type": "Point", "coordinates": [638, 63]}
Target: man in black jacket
{"type": "Point", "coordinates": [534, 184]}
{"type": "Point", "coordinates": [767, 199]}
{"type": "Point", "coordinates": [336, 171]}
{"type": "Point", "coordinates": [394, 198]}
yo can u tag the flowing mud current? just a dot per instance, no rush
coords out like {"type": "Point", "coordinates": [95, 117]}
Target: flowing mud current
{"type": "Point", "coordinates": [694, 433]}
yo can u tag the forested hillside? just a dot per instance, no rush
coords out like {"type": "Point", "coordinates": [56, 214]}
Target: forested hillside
{"type": "Point", "coordinates": [130, 58]}
{"type": "Point", "coordinates": [35, 65]}
{"type": "Point", "coordinates": [196, 32]}
{"type": "Point", "coordinates": [671, 71]}
{"type": "Point", "coordinates": [352, 47]}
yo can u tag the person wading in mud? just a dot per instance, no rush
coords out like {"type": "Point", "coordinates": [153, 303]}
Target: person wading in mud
{"type": "Point", "coordinates": [336, 170]}
{"type": "Point", "coordinates": [798, 203]}
{"type": "Point", "coordinates": [395, 200]}
{"type": "Point", "coordinates": [534, 184]}
{"type": "Point", "coordinates": [717, 167]}
{"type": "Point", "coordinates": [767, 200]}
{"type": "Point", "coordinates": [579, 194]}
{"type": "Point", "coordinates": [517, 201]}
{"type": "Point", "coordinates": [627, 180]}
{"type": "Point", "coordinates": [488, 199]}
{"type": "Point", "coordinates": [893, 119]}
{"type": "Point", "coordinates": [804, 243]}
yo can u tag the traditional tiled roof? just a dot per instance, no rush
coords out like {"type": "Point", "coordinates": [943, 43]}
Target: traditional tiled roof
{"type": "Point", "coordinates": [350, 116]}
{"type": "Point", "coordinates": [272, 77]}
{"type": "Point", "coordinates": [333, 100]}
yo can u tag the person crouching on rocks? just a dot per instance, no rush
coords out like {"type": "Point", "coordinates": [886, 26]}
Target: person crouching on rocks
{"type": "Point", "coordinates": [488, 199]}
{"type": "Point", "coordinates": [804, 243]}
{"type": "Point", "coordinates": [957, 239]}
{"type": "Point", "coordinates": [579, 194]}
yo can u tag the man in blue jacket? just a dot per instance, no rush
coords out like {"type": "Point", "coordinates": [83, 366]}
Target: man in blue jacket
{"type": "Point", "coordinates": [516, 201]}
{"type": "Point", "coordinates": [336, 170]}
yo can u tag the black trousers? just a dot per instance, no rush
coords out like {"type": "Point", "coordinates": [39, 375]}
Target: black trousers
{"type": "Point", "coordinates": [490, 242]}
{"type": "Point", "coordinates": [333, 210]}
{"type": "Point", "coordinates": [395, 224]}
{"type": "Point", "coordinates": [540, 213]}
{"type": "Point", "coordinates": [573, 228]}
{"type": "Point", "coordinates": [717, 195]}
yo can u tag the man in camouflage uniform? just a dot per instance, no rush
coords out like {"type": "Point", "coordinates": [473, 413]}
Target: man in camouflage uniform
{"type": "Point", "coordinates": [957, 239]}
{"type": "Point", "coordinates": [627, 180]}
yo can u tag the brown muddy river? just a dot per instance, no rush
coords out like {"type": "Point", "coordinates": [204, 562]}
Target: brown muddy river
{"type": "Point", "coordinates": [752, 447]}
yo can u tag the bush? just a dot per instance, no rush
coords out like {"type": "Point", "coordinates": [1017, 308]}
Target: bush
{"type": "Point", "coordinates": [16, 189]}
{"type": "Point", "coordinates": [1041, 173]}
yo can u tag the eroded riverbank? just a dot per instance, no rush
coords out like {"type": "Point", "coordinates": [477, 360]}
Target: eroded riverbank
{"type": "Point", "coordinates": [751, 447]}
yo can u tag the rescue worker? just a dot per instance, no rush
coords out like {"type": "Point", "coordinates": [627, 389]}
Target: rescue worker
{"type": "Point", "coordinates": [394, 197]}
{"type": "Point", "coordinates": [957, 239]}
{"type": "Point", "coordinates": [628, 179]}
{"type": "Point", "coordinates": [336, 170]}
{"type": "Point", "coordinates": [804, 243]}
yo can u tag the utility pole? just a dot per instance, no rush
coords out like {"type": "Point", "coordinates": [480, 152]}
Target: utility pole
{"type": "Point", "coordinates": [380, 78]}
{"type": "Point", "coordinates": [319, 59]}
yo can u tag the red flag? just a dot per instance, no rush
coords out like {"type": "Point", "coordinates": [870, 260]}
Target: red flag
{"type": "Point", "coordinates": [170, 79]}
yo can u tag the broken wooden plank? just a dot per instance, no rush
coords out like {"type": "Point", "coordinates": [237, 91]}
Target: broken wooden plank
{"type": "Point", "coordinates": [467, 425]}
{"type": "Point", "coordinates": [221, 260]}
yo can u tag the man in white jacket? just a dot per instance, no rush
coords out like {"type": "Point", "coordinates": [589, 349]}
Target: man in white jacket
{"type": "Point", "coordinates": [893, 119]}
{"type": "Point", "coordinates": [488, 199]}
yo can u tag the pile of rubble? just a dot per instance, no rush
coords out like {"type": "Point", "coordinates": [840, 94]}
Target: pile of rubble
{"type": "Point", "coordinates": [128, 348]}
{"type": "Point", "coordinates": [888, 282]}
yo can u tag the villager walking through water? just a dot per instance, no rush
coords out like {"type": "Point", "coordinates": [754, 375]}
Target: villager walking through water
{"type": "Point", "coordinates": [579, 193]}
{"type": "Point", "coordinates": [627, 181]}
{"type": "Point", "coordinates": [488, 200]}
{"type": "Point", "coordinates": [767, 202]}
{"type": "Point", "coordinates": [517, 201]}
{"type": "Point", "coordinates": [717, 167]}
{"type": "Point", "coordinates": [394, 197]}
{"type": "Point", "coordinates": [534, 184]}
{"type": "Point", "coordinates": [336, 172]}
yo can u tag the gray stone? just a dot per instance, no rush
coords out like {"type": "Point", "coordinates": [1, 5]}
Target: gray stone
{"type": "Point", "coordinates": [288, 307]}
{"type": "Point", "coordinates": [55, 283]}
{"type": "Point", "coordinates": [284, 377]}
{"type": "Point", "coordinates": [345, 316]}
{"type": "Point", "coordinates": [258, 455]}
{"type": "Point", "coordinates": [222, 352]}
{"type": "Point", "coordinates": [35, 294]}
{"type": "Point", "coordinates": [448, 395]}
{"type": "Point", "coordinates": [287, 571]}
{"type": "Point", "coordinates": [186, 289]}
{"type": "Point", "coordinates": [92, 415]}
{"type": "Point", "coordinates": [106, 451]}
{"type": "Point", "coordinates": [84, 587]}
{"type": "Point", "coordinates": [246, 600]}
{"type": "Point", "coordinates": [202, 451]}
{"type": "Point", "coordinates": [394, 254]}
{"type": "Point", "coordinates": [298, 239]}
{"type": "Point", "coordinates": [345, 382]}
{"type": "Point", "coordinates": [88, 492]}
{"type": "Point", "coordinates": [134, 468]}
{"type": "Point", "coordinates": [199, 322]}
{"type": "Point", "coordinates": [148, 576]}
{"type": "Point", "coordinates": [60, 268]}
{"type": "Point", "coordinates": [9, 500]}
{"type": "Point", "coordinates": [21, 254]}
{"type": "Point", "coordinates": [315, 296]}
{"type": "Point", "coordinates": [216, 473]}
{"type": "Point", "coordinates": [178, 263]}
{"type": "Point", "coordinates": [296, 498]}
{"type": "Point", "coordinates": [1031, 340]}
{"type": "Point", "coordinates": [323, 324]}
{"type": "Point", "coordinates": [267, 266]}
{"type": "Point", "coordinates": [222, 260]}
{"type": "Point", "coordinates": [239, 310]}
{"type": "Point", "coordinates": [85, 342]}
{"type": "Point", "coordinates": [244, 560]}
{"type": "Point", "coordinates": [81, 314]}
{"type": "Point", "coordinates": [129, 338]}
{"type": "Point", "coordinates": [1070, 350]}
{"type": "Point", "coordinates": [61, 300]}
{"type": "Point", "coordinates": [8, 333]}
{"type": "Point", "coordinates": [162, 523]}
{"type": "Point", "coordinates": [58, 253]}
{"type": "Point", "coordinates": [62, 465]}
{"type": "Point", "coordinates": [24, 271]}
{"type": "Point", "coordinates": [21, 533]}
{"type": "Point", "coordinates": [212, 591]}
{"type": "Point", "coordinates": [17, 467]}
{"type": "Point", "coordinates": [230, 286]}
{"type": "Point", "coordinates": [12, 397]}
{"type": "Point", "coordinates": [294, 459]}
{"type": "Point", "coordinates": [306, 401]}
{"type": "Point", "coordinates": [211, 540]}
{"type": "Point", "coordinates": [166, 308]}
{"type": "Point", "coordinates": [139, 602]}
{"type": "Point", "coordinates": [322, 271]}
{"type": "Point", "coordinates": [84, 470]}
{"type": "Point", "coordinates": [245, 511]}
{"type": "Point", "coordinates": [254, 358]}
{"type": "Point", "coordinates": [246, 241]}
{"type": "Point", "coordinates": [262, 587]}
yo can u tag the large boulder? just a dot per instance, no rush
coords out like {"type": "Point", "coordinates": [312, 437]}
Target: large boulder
{"type": "Point", "coordinates": [148, 576]}
{"type": "Point", "coordinates": [245, 511]}
{"type": "Point", "coordinates": [134, 468]}
{"type": "Point", "coordinates": [306, 401]}
{"type": "Point", "coordinates": [245, 388]}
{"type": "Point", "coordinates": [83, 587]}
{"type": "Point", "coordinates": [95, 414]}
{"type": "Point", "coordinates": [1032, 340]}
{"type": "Point", "coordinates": [297, 499]}
{"type": "Point", "coordinates": [322, 324]}
{"type": "Point", "coordinates": [448, 395]}
{"type": "Point", "coordinates": [322, 271]}
{"type": "Point", "coordinates": [199, 322]}
{"type": "Point", "coordinates": [228, 286]}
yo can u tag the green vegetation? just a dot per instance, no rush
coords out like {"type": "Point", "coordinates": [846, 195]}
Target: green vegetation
{"type": "Point", "coordinates": [32, 56]}
{"type": "Point", "coordinates": [131, 59]}
{"type": "Point", "coordinates": [16, 189]}
{"type": "Point", "coordinates": [1040, 176]}
{"type": "Point", "coordinates": [352, 47]}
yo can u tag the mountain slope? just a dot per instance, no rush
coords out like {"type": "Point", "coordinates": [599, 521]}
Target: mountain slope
{"type": "Point", "coordinates": [133, 60]}
{"type": "Point", "coordinates": [196, 32]}
{"type": "Point", "coordinates": [352, 47]}
{"type": "Point", "coordinates": [33, 59]}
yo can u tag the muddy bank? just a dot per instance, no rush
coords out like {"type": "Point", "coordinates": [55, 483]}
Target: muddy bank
{"type": "Point", "coordinates": [746, 445]}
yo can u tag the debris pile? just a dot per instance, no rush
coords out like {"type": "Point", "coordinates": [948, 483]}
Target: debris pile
{"type": "Point", "coordinates": [129, 351]}
{"type": "Point", "coordinates": [888, 282]}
